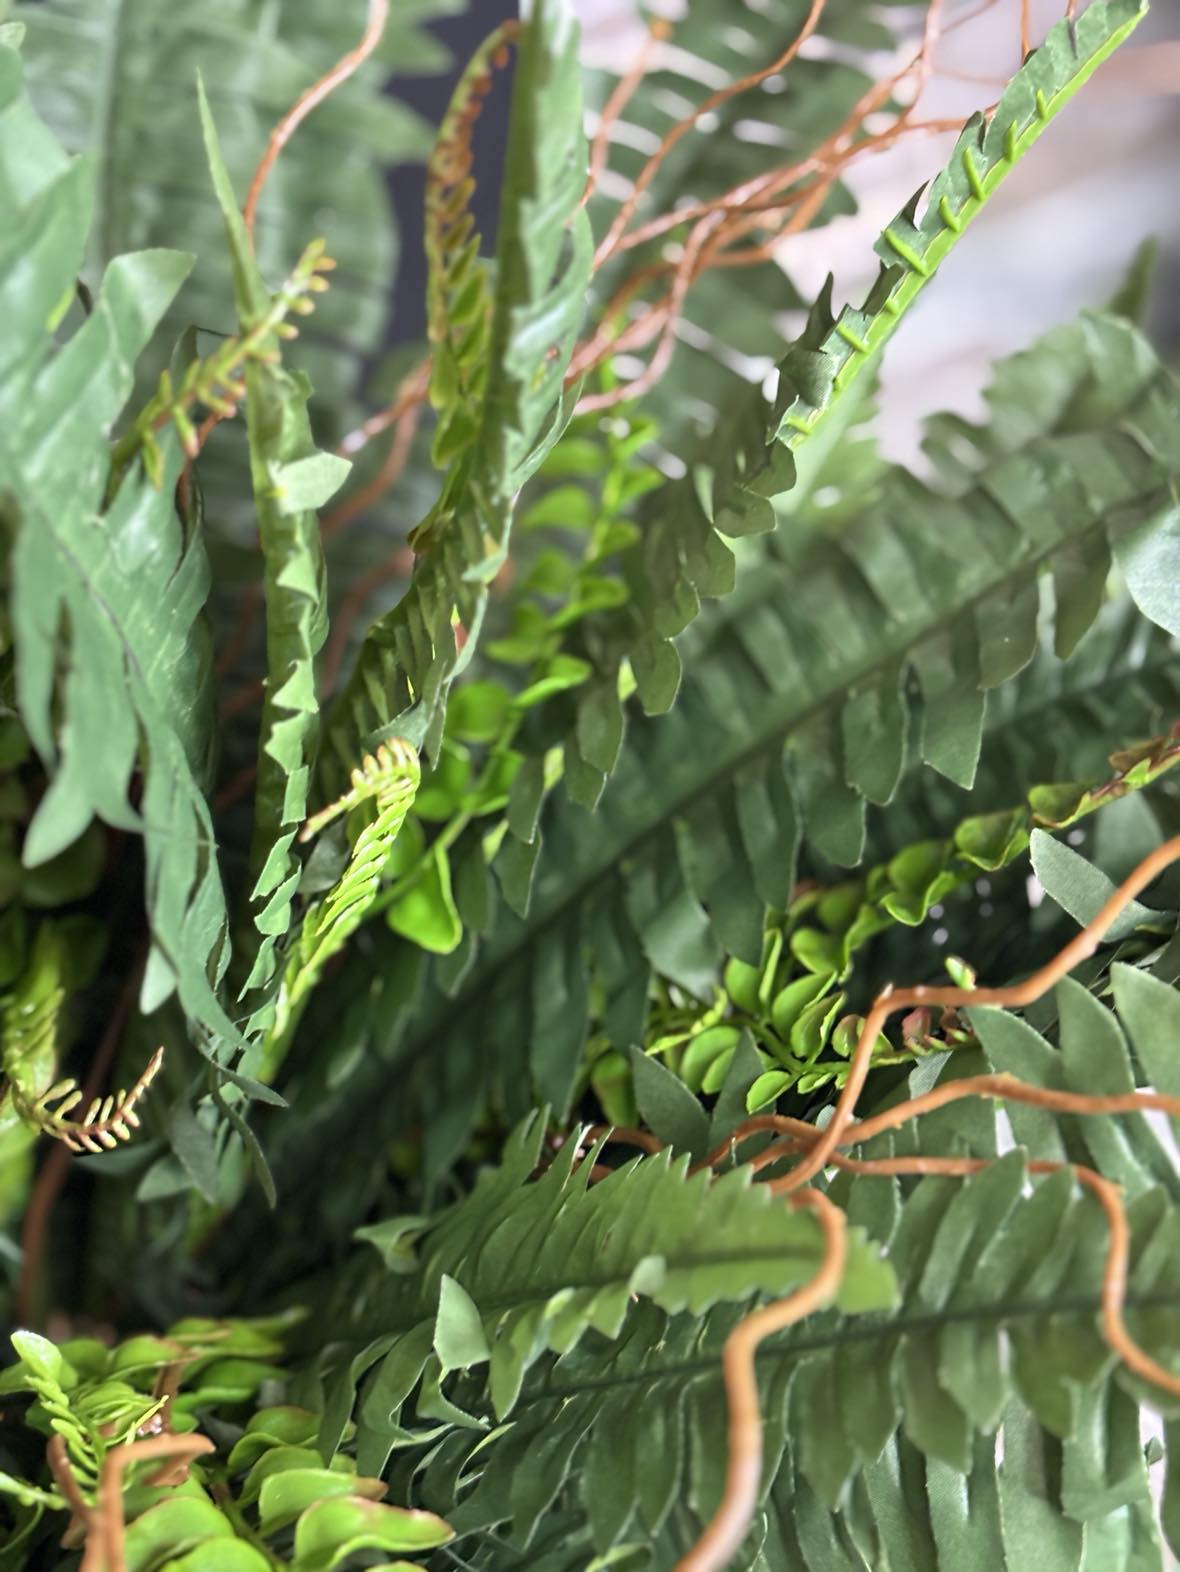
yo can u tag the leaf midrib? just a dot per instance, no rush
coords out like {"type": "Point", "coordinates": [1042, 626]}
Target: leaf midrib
{"type": "Point", "coordinates": [861, 1329]}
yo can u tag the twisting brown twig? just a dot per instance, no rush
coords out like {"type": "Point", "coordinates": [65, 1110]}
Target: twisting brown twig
{"type": "Point", "coordinates": [396, 565]}
{"type": "Point", "coordinates": [682, 127]}
{"type": "Point", "coordinates": [105, 1525]}
{"type": "Point", "coordinates": [888, 1002]}
{"type": "Point", "coordinates": [306, 102]}
{"type": "Point", "coordinates": [623, 92]}
{"type": "Point", "coordinates": [394, 462]}
{"type": "Point", "coordinates": [743, 1470]}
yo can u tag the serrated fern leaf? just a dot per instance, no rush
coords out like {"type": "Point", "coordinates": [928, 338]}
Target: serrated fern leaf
{"type": "Point", "coordinates": [580, 1256]}
{"type": "Point", "coordinates": [107, 604]}
{"type": "Point", "coordinates": [291, 479]}
{"type": "Point", "coordinates": [411, 656]}
{"type": "Point", "coordinates": [385, 784]}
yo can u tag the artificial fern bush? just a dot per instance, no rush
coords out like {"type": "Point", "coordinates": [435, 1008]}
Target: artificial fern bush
{"type": "Point", "coordinates": [526, 1037]}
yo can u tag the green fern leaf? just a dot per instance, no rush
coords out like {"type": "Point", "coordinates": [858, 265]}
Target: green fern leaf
{"type": "Point", "coordinates": [291, 479]}
{"type": "Point", "coordinates": [581, 1255]}
{"type": "Point", "coordinates": [107, 605]}
{"type": "Point", "coordinates": [410, 657]}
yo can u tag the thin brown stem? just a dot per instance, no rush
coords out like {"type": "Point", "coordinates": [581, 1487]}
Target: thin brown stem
{"type": "Point", "coordinates": [619, 99]}
{"type": "Point", "coordinates": [888, 1002]}
{"type": "Point", "coordinates": [311, 99]}
{"type": "Point", "coordinates": [743, 1470]}
{"type": "Point", "coordinates": [681, 129]}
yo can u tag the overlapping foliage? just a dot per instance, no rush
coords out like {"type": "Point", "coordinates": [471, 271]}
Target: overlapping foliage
{"type": "Point", "coordinates": [394, 967]}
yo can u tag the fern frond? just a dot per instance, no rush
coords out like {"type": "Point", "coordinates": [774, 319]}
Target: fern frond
{"type": "Point", "coordinates": [581, 1257]}
{"type": "Point", "coordinates": [1053, 720]}
{"type": "Point", "coordinates": [106, 1121]}
{"type": "Point", "coordinates": [997, 1258]}
{"type": "Point", "coordinates": [42, 1370]}
{"type": "Point", "coordinates": [793, 1002]}
{"type": "Point", "coordinates": [291, 479]}
{"type": "Point", "coordinates": [683, 554]}
{"type": "Point", "coordinates": [388, 781]}
{"type": "Point", "coordinates": [914, 609]}
{"type": "Point", "coordinates": [411, 656]}
{"type": "Point", "coordinates": [112, 672]}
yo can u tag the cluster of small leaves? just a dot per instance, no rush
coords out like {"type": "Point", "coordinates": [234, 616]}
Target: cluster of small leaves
{"type": "Point", "coordinates": [793, 1003]}
{"type": "Point", "coordinates": [270, 1501]}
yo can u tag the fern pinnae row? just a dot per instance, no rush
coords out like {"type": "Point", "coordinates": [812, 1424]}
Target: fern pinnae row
{"type": "Point", "coordinates": [728, 1525]}
{"type": "Point", "coordinates": [107, 1121]}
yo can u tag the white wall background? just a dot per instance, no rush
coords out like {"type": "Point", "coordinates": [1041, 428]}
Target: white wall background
{"type": "Point", "coordinates": [1054, 240]}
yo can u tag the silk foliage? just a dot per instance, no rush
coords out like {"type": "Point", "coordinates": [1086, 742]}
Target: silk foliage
{"type": "Point", "coordinates": [568, 998]}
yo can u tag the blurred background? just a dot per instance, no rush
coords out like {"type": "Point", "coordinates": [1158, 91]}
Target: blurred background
{"type": "Point", "coordinates": [1058, 237]}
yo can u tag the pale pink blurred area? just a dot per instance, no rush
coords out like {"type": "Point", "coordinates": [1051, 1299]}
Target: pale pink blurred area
{"type": "Point", "coordinates": [1056, 239]}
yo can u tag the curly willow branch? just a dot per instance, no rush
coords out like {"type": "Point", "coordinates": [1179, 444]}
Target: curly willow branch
{"type": "Point", "coordinates": [105, 1526]}
{"type": "Point", "coordinates": [347, 66]}
{"type": "Point", "coordinates": [820, 1149]}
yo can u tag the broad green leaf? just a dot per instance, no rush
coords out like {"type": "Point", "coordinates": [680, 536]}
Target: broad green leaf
{"type": "Point", "coordinates": [426, 913]}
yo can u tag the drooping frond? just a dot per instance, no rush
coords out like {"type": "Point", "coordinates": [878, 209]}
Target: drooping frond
{"type": "Point", "coordinates": [97, 1126]}
{"type": "Point", "coordinates": [30, 1051]}
{"type": "Point", "coordinates": [111, 657]}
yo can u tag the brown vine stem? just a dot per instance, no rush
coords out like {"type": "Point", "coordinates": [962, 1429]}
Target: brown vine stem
{"type": "Point", "coordinates": [619, 99]}
{"type": "Point", "coordinates": [392, 466]}
{"type": "Point", "coordinates": [347, 66]}
{"type": "Point", "coordinates": [743, 1470]}
{"type": "Point", "coordinates": [682, 127]}
{"type": "Point", "coordinates": [394, 566]}
{"type": "Point", "coordinates": [105, 1544]}
{"type": "Point", "coordinates": [889, 1001]}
